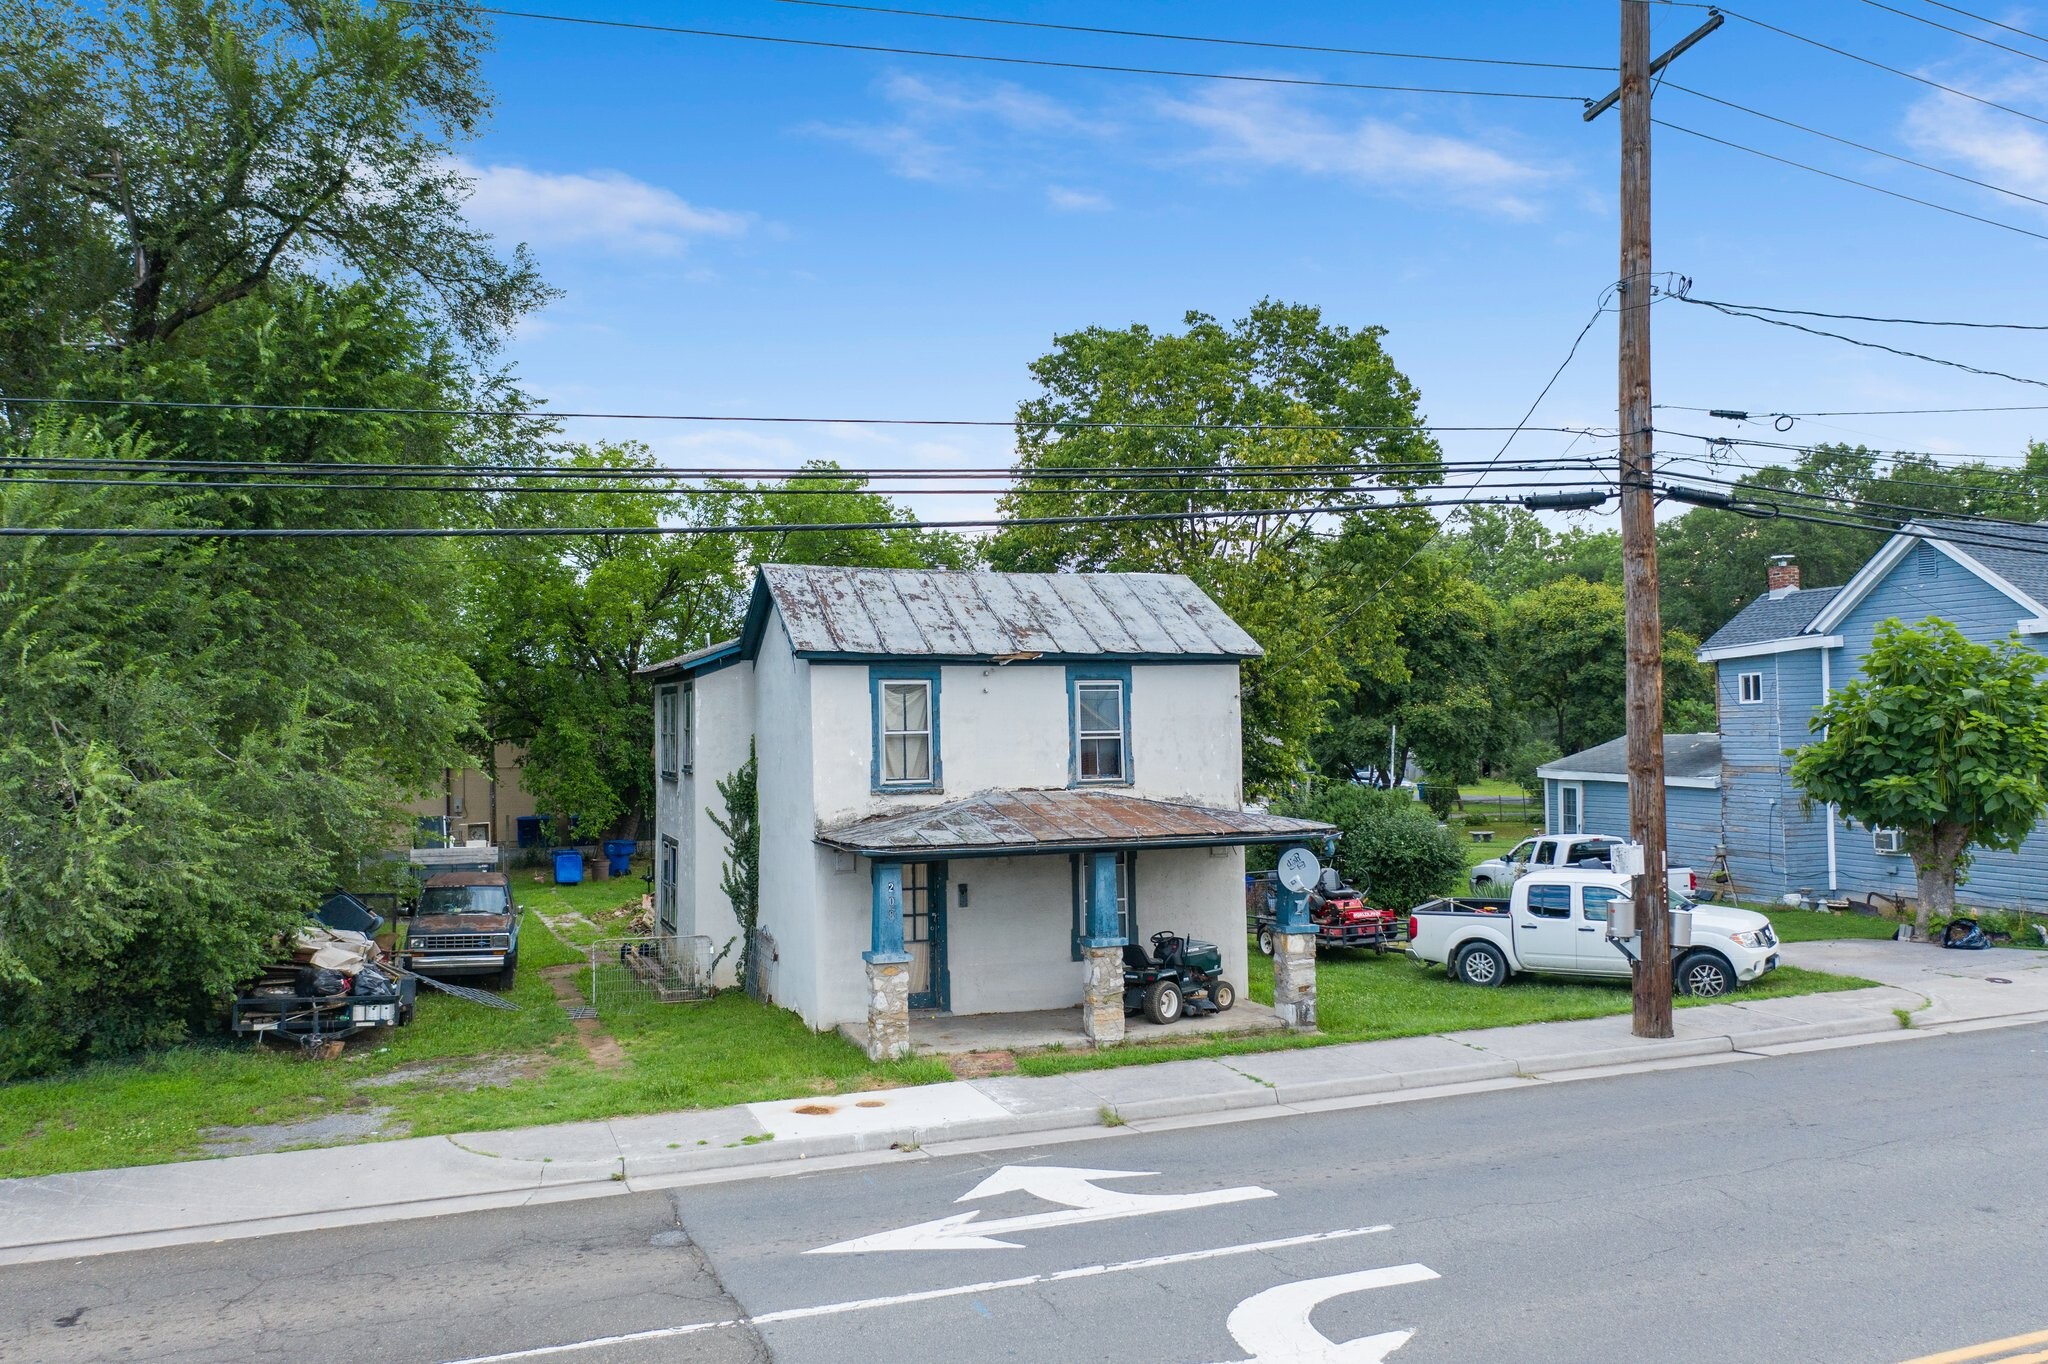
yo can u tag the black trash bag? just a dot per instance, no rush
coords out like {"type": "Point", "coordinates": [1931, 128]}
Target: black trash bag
{"type": "Point", "coordinates": [1964, 934]}
{"type": "Point", "coordinates": [318, 982]}
{"type": "Point", "coordinates": [373, 980]}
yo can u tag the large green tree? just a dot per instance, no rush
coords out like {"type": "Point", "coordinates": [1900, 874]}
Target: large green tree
{"type": "Point", "coordinates": [1564, 652]}
{"type": "Point", "coordinates": [1941, 738]}
{"type": "Point", "coordinates": [240, 205]}
{"type": "Point", "coordinates": [1443, 701]}
{"type": "Point", "coordinates": [165, 158]}
{"type": "Point", "coordinates": [1271, 419]}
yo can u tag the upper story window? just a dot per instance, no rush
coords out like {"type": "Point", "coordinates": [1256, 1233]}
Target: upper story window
{"type": "Point", "coordinates": [672, 715]}
{"type": "Point", "coordinates": [906, 729]}
{"type": "Point", "coordinates": [1101, 726]}
{"type": "Point", "coordinates": [1750, 688]}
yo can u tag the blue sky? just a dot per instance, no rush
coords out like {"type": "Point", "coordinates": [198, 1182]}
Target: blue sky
{"type": "Point", "coordinates": [753, 229]}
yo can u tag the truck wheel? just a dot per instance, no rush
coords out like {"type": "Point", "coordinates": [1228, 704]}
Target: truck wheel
{"type": "Point", "coordinates": [1163, 1002]}
{"type": "Point", "coordinates": [1481, 883]}
{"type": "Point", "coordinates": [509, 975]}
{"type": "Point", "coordinates": [1266, 941]}
{"type": "Point", "coordinates": [1705, 976]}
{"type": "Point", "coordinates": [1222, 994]}
{"type": "Point", "coordinates": [1482, 964]}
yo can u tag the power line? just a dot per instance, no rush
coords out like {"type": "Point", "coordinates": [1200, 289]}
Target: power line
{"type": "Point", "coordinates": [1876, 411]}
{"type": "Point", "coordinates": [1984, 20]}
{"type": "Point", "coordinates": [1764, 494]}
{"type": "Point", "coordinates": [1959, 32]}
{"type": "Point", "coordinates": [526, 414]}
{"type": "Point", "coordinates": [520, 532]}
{"type": "Point", "coordinates": [1872, 62]}
{"type": "Point", "coordinates": [1192, 38]}
{"type": "Point", "coordinates": [1733, 311]}
{"type": "Point", "coordinates": [1859, 146]}
{"type": "Point", "coordinates": [1018, 61]}
{"type": "Point", "coordinates": [1849, 179]}
{"type": "Point", "coordinates": [86, 463]}
{"type": "Point", "coordinates": [1863, 317]}
{"type": "Point", "coordinates": [1713, 500]}
{"type": "Point", "coordinates": [1937, 456]}
{"type": "Point", "coordinates": [1890, 478]}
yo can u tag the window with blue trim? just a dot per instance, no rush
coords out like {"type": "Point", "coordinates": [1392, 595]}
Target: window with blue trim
{"type": "Point", "coordinates": [1099, 724]}
{"type": "Point", "coordinates": [906, 716]}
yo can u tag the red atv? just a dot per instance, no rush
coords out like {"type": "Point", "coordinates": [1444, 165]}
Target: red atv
{"type": "Point", "coordinates": [1340, 914]}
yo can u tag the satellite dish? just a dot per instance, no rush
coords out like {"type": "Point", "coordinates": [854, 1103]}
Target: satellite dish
{"type": "Point", "coordinates": [1298, 869]}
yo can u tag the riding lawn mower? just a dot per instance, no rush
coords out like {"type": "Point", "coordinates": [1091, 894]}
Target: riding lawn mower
{"type": "Point", "coordinates": [1179, 976]}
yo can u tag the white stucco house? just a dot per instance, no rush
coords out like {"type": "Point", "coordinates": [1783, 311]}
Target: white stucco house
{"type": "Point", "coordinates": [974, 788]}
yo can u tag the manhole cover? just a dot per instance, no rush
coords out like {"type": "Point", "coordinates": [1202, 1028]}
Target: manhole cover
{"type": "Point", "coordinates": [582, 1011]}
{"type": "Point", "coordinates": [1998, 980]}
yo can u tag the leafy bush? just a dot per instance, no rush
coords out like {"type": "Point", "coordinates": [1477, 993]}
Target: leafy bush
{"type": "Point", "coordinates": [1440, 796]}
{"type": "Point", "coordinates": [1392, 849]}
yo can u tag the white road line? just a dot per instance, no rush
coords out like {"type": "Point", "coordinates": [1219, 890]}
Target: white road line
{"type": "Point", "coordinates": [903, 1299]}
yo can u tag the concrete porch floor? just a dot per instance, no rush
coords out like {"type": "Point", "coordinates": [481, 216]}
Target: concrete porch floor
{"type": "Point", "coordinates": [942, 1034]}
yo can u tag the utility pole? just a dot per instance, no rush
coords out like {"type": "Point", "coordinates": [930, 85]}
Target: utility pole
{"type": "Point", "coordinates": [1639, 519]}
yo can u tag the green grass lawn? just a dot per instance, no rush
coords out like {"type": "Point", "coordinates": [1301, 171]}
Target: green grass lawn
{"type": "Point", "coordinates": [1363, 998]}
{"type": "Point", "coordinates": [525, 1068]}
{"type": "Point", "coordinates": [1490, 786]}
{"type": "Point", "coordinates": [588, 910]}
{"type": "Point", "coordinates": [1807, 925]}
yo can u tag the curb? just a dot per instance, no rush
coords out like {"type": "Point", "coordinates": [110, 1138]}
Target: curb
{"type": "Point", "coordinates": [770, 1159]}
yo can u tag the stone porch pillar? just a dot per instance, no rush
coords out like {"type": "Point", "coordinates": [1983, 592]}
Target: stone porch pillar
{"type": "Point", "coordinates": [888, 966]}
{"type": "Point", "coordinates": [1294, 960]}
{"type": "Point", "coordinates": [1102, 952]}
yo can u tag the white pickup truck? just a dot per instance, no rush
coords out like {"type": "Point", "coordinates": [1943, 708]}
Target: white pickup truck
{"type": "Point", "coordinates": [1564, 852]}
{"type": "Point", "coordinates": [1556, 923]}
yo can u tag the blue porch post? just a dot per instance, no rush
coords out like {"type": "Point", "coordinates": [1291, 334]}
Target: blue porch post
{"type": "Point", "coordinates": [1294, 957]}
{"type": "Point", "coordinates": [1102, 990]}
{"type": "Point", "coordinates": [888, 968]}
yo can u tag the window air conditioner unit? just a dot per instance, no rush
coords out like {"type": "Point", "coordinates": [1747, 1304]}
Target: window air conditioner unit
{"type": "Point", "coordinates": [1890, 842]}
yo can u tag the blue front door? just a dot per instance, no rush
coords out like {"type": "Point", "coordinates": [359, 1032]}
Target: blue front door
{"type": "Point", "coordinates": [924, 933]}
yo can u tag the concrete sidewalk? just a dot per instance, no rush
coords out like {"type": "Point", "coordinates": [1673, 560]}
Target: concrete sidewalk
{"type": "Point", "coordinates": [63, 1216]}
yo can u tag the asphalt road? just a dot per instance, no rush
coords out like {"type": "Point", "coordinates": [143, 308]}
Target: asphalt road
{"type": "Point", "coordinates": [1872, 1204]}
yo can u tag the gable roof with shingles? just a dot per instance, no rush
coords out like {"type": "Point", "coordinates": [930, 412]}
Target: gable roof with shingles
{"type": "Point", "coordinates": [1770, 618]}
{"type": "Point", "coordinates": [1687, 758]}
{"type": "Point", "coordinates": [2016, 553]}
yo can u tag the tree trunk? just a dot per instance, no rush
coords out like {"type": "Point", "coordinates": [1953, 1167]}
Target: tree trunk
{"type": "Point", "coordinates": [1934, 873]}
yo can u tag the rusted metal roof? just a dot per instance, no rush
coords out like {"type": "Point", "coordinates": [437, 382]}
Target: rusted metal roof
{"type": "Point", "coordinates": [927, 613]}
{"type": "Point", "coordinates": [695, 660]}
{"type": "Point", "coordinates": [998, 822]}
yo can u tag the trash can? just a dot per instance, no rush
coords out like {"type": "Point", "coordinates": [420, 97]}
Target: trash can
{"type": "Point", "coordinates": [568, 867]}
{"type": "Point", "coordinates": [618, 854]}
{"type": "Point", "coordinates": [529, 830]}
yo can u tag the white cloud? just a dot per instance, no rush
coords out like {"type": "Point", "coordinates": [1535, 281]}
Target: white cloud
{"type": "Point", "coordinates": [1988, 141]}
{"type": "Point", "coordinates": [609, 210]}
{"type": "Point", "coordinates": [1076, 200]}
{"type": "Point", "coordinates": [946, 132]}
{"type": "Point", "coordinates": [1269, 131]}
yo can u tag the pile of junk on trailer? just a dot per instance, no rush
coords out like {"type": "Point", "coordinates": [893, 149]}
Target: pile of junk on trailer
{"type": "Point", "coordinates": [332, 979]}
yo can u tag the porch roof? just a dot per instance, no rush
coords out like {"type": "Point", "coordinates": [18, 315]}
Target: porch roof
{"type": "Point", "coordinates": [999, 823]}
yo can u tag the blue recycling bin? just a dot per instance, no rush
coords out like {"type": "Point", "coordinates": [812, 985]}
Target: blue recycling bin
{"type": "Point", "coordinates": [568, 867]}
{"type": "Point", "coordinates": [618, 855]}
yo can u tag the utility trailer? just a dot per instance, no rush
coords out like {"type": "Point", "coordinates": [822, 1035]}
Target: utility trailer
{"type": "Point", "coordinates": [278, 1003]}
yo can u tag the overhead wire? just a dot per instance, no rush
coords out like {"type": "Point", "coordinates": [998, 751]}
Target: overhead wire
{"type": "Point", "coordinates": [1873, 62]}
{"type": "Point", "coordinates": [520, 532]}
{"type": "Point", "coordinates": [1734, 310]}
{"type": "Point", "coordinates": [1849, 180]}
{"type": "Point", "coordinates": [1859, 146]}
{"type": "Point", "coordinates": [1984, 19]}
{"type": "Point", "coordinates": [1193, 38]}
{"type": "Point", "coordinates": [994, 59]}
{"type": "Point", "coordinates": [1959, 32]}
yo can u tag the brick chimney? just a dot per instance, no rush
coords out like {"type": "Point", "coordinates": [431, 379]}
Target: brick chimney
{"type": "Point", "coordinates": [1782, 576]}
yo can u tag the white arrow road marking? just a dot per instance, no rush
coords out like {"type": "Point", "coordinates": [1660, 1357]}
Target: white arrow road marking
{"type": "Point", "coordinates": [927, 1295]}
{"type": "Point", "coordinates": [1274, 1326]}
{"type": "Point", "coordinates": [1074, 1188]}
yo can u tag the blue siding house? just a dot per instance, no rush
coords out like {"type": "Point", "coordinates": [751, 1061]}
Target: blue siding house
{"type": "Point", "coordinates": [1776, 662]}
